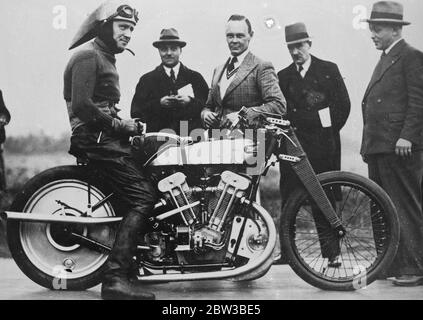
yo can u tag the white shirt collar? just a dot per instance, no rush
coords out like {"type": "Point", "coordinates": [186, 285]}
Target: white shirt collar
{"type": "Point", "coordinates": [175, 69]}
{"type": "Point", "coordinates": [306, 65]}
{"type": "Point", "coordinates": [392, 45]}
{"type": "Point", "coordinates": [241, 58]}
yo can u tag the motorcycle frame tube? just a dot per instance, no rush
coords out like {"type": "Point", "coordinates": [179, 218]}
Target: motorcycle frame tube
{"type": "Point", "coordinates": [255, 266]}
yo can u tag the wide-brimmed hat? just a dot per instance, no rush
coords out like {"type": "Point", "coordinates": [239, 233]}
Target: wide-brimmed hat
{"type": "Point", "coordinates": [169, 36]}
{"type": "Point", "coordinates": [387, 12]}
{"type": "Point", "coordinates": [296, 33]}
{"type": "Point", "coordinates": [108, 11]}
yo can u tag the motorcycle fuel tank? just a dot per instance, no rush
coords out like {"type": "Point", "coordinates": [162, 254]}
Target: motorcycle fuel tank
{"type": "Point", "coordinates": [214, 152]}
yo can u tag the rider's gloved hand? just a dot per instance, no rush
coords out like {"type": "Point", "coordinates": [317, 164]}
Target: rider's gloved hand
{"type": "Point", "coordinates": [127, 127]}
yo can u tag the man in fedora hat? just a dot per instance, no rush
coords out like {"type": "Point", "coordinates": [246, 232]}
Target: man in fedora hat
{"type": "Point", "coordinates": [91, 91]}
{"type": "Point", "coordinates": [243, 81]}
{"type": "Point", "coordinates": [172, 96]}
{"type": "Point", "coordinates": [318, 106]}
{"type": "Point", "coordinates": [392, 142]}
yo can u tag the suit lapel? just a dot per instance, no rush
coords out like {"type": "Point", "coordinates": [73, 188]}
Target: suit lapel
{"type": "Point", "coordinates": [312, 70]}
{"type": "Point", "coordinates": [216, 83]}
{"type": "Point", "coordinates": [245, 69]}
{"type": "Point", "coordinates": [385, 64]}
{"type": "Point", "coordinates": [163, 75]}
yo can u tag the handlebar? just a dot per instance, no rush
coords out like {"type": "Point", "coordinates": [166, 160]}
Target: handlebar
{"type": "Point", "coordinates": [278, 127]}
{"type": "Point", "coordinates": [269, 119]}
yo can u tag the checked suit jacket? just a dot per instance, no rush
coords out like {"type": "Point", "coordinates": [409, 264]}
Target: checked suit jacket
{"type": "Point", "coordinates": [254, 85]}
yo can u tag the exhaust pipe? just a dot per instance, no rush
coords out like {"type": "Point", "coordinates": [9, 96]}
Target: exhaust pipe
{"type": "Point", "coordinates": [44, 218]}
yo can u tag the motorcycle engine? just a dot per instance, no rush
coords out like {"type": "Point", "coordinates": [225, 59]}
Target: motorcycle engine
{"type": "Point", "coordinates": [203, 227]}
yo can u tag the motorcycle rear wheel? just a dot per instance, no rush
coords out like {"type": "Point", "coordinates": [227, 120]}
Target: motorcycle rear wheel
{"type": "Point", "coordinates": [40, 249]}
{"type": "Point", "coordinates": [368, 248]}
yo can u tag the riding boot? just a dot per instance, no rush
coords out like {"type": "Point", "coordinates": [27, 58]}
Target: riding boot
{"type": "Point", "coordinates": [118, 283]}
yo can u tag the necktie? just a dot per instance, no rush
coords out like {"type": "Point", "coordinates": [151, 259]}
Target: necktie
{"type": "Point", "coordinates": [300, 69]}
{"type": "Point", "coordinates": [231, 68]}
{"type": "Point", "coordinates": [173, 79]}
{"type": "Point", "coordinates": [379, 68]}
{"type": "Point", "coordinates": [172, 76]}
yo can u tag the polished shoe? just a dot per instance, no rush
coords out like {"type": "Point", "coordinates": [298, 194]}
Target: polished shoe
{"type": "Point", "coordinates": [408, 281]}
{"type": "Point", "coordinates": [118, 288]}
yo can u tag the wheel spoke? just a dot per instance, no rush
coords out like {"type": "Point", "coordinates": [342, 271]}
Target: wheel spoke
{"type": "Point", "coordinates": [364, 217]}
{"type": "Point", "coordinates": [358, 253]}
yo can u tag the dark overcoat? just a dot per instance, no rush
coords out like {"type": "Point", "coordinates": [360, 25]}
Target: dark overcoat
{"type": "Point", "coordinates": [155, 85]}
{"type": "Point", "coordinates": [323, 87]}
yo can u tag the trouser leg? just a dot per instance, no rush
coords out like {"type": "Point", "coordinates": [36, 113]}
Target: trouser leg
{"type": "Point", "coordinates": [138, 194]}
{"type": "Point", "coordinates": [401, 179]}
{"type": "Point", "coordinates": [329, 242]}
{"type": "Point", "coordinates": [376, 218]}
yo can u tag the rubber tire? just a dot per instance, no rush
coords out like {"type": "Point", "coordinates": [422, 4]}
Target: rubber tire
{"type": "Point", "coordinates": [13, 227]}
{"type": "Point", "coordinates": [289, 213]}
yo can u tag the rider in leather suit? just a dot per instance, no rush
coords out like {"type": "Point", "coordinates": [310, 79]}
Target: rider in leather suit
{"type": "Point", "coordinates": [91, 90]}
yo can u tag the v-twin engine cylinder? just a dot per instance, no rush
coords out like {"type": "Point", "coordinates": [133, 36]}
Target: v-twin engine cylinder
{"type": "Point", "coordinates": [176, 189]}
{"type": "Point", "coordinates": [231, 188]}
{"type": "Point", "coordinates": [206, 228]}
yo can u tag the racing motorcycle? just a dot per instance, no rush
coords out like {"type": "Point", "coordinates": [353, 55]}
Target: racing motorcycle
{"type": "Point", "coordinates": [207, 225]}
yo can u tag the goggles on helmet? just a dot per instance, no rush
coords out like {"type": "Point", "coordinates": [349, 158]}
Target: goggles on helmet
{"type": "Point", "coordinates": [126, 13]}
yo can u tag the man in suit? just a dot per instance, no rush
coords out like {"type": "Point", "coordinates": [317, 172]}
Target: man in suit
{"type": "Point", "coordinates": [4, 121]}
{"type": "Point", "coordinates": [243, 81]}
{"type": "Point", "coordinates": [172, 96]}
{"type": "Point", "coordinates": [392, 136]}
{"type": "Point", "coordinates": [318, 107]}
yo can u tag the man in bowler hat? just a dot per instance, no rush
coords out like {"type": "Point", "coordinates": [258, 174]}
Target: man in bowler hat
{"type": "Point", "coordinates": [392, 137]}
{"type": "Point", "coordinates": [318, 107]}
{"type": "Point", "coordinates": [172, 96]}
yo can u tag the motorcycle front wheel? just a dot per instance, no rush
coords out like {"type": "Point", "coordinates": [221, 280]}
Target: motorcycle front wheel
{"type": "Point", "coordinates": [44, 251]}
{"type": "Point", "coordinates": [354, 261]}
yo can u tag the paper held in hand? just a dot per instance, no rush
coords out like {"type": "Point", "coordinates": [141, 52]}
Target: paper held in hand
{"type": "Point", "coordinates": [186, 91]}
{"type": "Point", "coordinates": [325, 119]}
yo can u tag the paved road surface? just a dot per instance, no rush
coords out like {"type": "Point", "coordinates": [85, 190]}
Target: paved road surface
{"type": "Point", "coordinates": [279, 284]}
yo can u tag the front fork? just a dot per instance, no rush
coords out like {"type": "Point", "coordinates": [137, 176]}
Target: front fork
{"type": "Point", "coordinates": [308, 177]}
